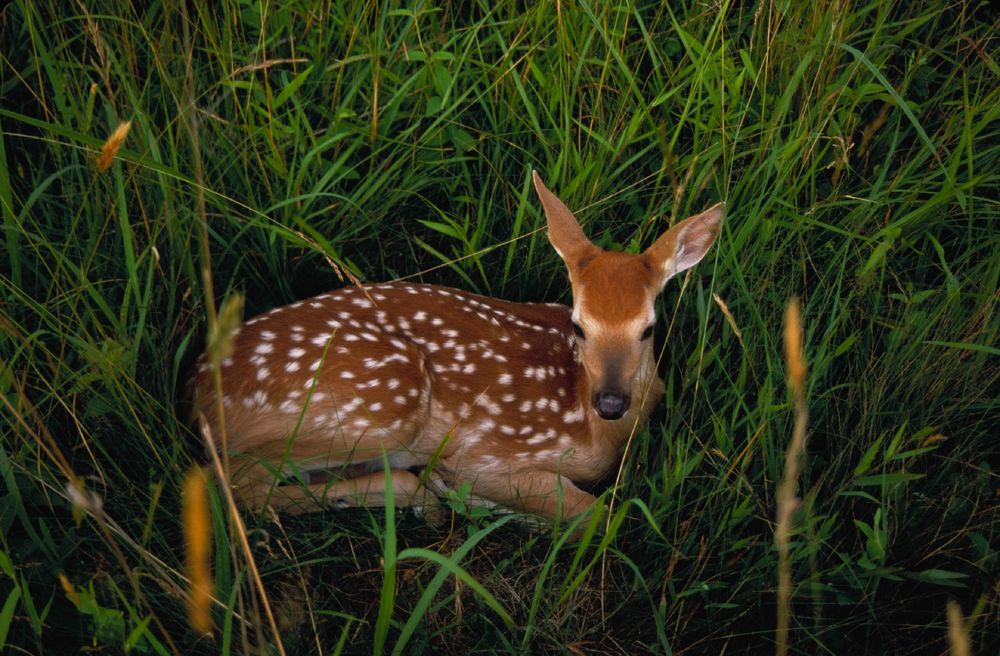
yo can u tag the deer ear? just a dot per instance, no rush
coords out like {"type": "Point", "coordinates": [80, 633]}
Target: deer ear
{"type": "Point", "coordinates": [565, 233]}
{"type": "Point", "coordinates": [685, 244]}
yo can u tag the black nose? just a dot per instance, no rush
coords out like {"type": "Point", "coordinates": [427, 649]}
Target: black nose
{"type": "Point", "coordinates": [611, 405]}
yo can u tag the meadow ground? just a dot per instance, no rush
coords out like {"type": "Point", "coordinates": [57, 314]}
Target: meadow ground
{"type": "Point", "coordinates": [274, 147]}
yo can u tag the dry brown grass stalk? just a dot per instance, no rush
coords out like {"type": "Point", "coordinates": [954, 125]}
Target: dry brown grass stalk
{"type": "Point", "coordinates": [239, 532]}
{"type": "Point", "coordinates": [730, 319]}
{"type": "Point", "coordinates": [787, 500]}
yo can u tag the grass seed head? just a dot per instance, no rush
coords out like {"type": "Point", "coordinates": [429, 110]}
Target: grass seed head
{"type": "Point", "coordinates": [69, 589]}
{"type": "Point", "coordinates": [220, 344]}
{"type": "Point", "coordinates": [110, 148]}
{"type": "Point", "coordinates": [793, 346]}
{"type": "Point", "coordinates": [958, 635]}
{"type": "Point", "coordinates": [198, 545]}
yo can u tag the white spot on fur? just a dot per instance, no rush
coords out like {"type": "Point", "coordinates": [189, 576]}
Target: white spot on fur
{"type": "Point", "coordinates": [538, 373]}
{"type": "Point", "coordinates": [351, 406]}
{"type": "Point", "coordinates": [320, 339]}
{"type": "Point", "coordinates": [491, 407]}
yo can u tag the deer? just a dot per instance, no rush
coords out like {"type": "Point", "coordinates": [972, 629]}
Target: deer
{"type": "Point", "coordinates": [519, 402]}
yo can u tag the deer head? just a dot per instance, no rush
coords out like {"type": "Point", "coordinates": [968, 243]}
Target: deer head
{"type": "Point", "coordinates": [614, 295]}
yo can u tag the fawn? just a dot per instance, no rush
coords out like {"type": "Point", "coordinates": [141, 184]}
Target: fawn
{"type": "Point", "coordinates": [518, 400]}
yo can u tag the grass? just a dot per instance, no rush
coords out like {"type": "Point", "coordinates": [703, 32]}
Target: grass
{"type": "Point", "coordinates": [285, 147]}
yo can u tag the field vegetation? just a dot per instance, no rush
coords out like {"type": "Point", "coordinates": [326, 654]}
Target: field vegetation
{"type": "Point", "coordinates": [275, 150]}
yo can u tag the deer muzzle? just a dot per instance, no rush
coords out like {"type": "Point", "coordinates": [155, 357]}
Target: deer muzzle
{"type": "Point", "coordinates": [611, 405]}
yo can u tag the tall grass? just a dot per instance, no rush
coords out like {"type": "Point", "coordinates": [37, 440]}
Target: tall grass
{"type": "Point", "coordinates": [286, 148]}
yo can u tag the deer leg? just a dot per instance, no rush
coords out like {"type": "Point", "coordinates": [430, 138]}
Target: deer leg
{"type": "Point", "coordinates": [370, 490]}
{"type": "Point", "coordinates": [255, 486]}
{"type": "Point", "coordinates": [538, 492]}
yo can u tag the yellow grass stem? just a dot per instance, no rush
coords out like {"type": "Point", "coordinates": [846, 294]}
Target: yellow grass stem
{"type": "Point", "coordinates": [239, 530]}
{"type": "Point", "coordinates": [787, 500]}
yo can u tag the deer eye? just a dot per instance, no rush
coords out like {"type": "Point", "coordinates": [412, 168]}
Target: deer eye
{"type": "Point", "coordinates": [578, 331]}
{"type": "Point", "coordinates": [646, 334]}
